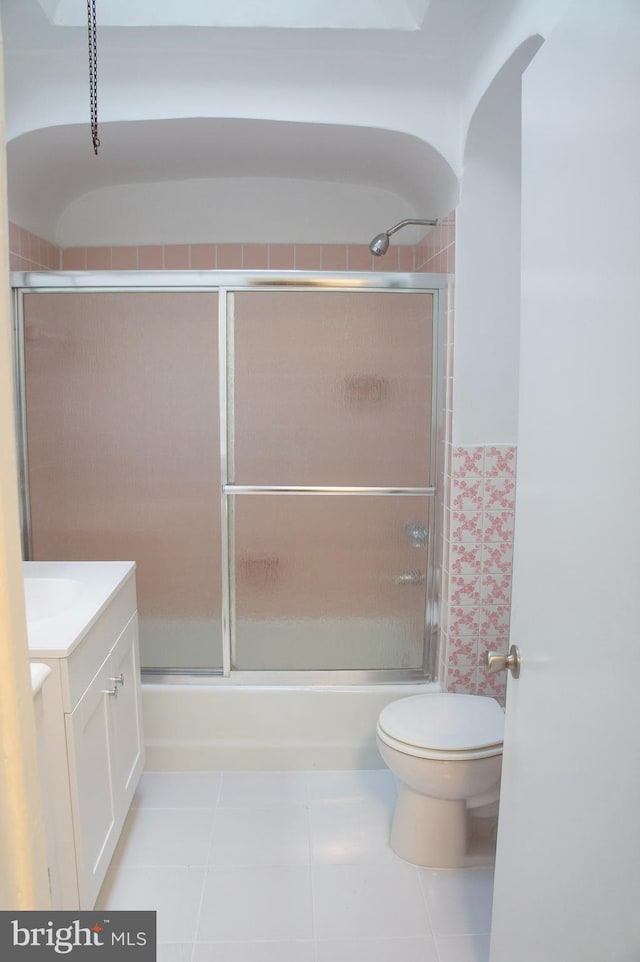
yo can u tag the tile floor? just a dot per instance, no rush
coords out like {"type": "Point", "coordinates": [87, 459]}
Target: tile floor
{"type": "Point", "coordinates": [289, 867]}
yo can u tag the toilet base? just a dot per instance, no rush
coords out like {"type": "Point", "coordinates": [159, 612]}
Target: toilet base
{"type": "Point", "coordinates": [436, 833]}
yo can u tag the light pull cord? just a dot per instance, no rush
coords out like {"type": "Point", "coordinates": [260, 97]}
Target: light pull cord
{"type": "Point", "coordinates": [93, 73]}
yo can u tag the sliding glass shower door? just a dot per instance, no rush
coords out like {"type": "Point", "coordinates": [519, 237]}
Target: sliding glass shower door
{"type": "Point", "coordinates": [123, 453]}
{"type": "Point", "coordinates": [264, 455]}
{"type": "Point", "coordinates": [329, 475]}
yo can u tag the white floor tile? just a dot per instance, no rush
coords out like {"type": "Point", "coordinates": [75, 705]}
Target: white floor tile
{"type": "Point", "coordinates": [376, 787]}
{"type": "Point", "coordinates": [255, 952]}
{"type": "Point", "coordinates": [458, 900]}
{"type": "Point", "coordinates": [350, 832]}
{"type": "Point", "coordinates": [165, 837]}
{"type": "Point", "coordinates": [293, 857]}
{"type": "Point", "coordinates": [266, 836]}
{"type": "Point", "coordinates": [262, 789]}
{"type": "Point", "coordinates": [244, 904]}
{"type": "Point", "coordinates": [173, 892]}
{"type": "Point", "coordinates": [368, 901]}
{"type": "Point", "coordinates": [378, 950]}
{"type": "Point", "coordinates": [178, 790]}
{"type": "Point", "coordinates": [463, 948]}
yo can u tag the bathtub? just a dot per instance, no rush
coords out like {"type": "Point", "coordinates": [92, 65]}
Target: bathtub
{"type": "Point", "coordinates": [220, 726]}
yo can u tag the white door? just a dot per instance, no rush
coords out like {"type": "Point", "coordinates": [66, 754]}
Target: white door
{"type": "Point", "coordinates": [568, 863]}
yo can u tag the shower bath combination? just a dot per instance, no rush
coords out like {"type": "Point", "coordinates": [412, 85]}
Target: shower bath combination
{"type": "Point", "coordinates": [380, 243]}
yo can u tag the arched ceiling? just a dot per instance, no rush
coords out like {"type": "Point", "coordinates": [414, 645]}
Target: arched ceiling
{"type": "Point", "coordinates": [378, 98]}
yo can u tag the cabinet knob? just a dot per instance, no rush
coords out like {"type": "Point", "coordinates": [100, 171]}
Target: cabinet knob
{"type": "Point", "coordinates": [119, 680]}
{"type": "Point", "coordinates": [111, 691]}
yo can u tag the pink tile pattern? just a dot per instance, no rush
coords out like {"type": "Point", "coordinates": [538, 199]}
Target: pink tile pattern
{"type": "Point", "coordinates": [436, 252]}
{"type": "Point", "coordinates": [477, 562]}
{"type": "Point", "coordinates": [29, 252]}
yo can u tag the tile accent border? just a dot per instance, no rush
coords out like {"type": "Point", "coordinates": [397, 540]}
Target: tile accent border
{"type": "Point", "coordinates": [477, 564]}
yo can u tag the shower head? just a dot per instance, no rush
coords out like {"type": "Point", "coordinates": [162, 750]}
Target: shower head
{"type": "Point", "coordinates": [380, 243]}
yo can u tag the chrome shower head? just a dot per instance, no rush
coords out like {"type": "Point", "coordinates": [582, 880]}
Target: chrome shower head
{"type": "Point", "coordinates": [380, 243]}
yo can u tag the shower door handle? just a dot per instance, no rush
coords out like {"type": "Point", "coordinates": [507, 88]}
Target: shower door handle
{"type": "Point", "coordinates": [410, 578]}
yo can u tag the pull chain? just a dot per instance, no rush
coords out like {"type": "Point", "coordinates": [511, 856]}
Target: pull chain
{"type": "Point", "coordinates": [93, 73]}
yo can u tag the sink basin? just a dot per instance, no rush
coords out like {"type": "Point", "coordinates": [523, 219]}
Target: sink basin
{"type": "Point", "coordinates": [47, 597]}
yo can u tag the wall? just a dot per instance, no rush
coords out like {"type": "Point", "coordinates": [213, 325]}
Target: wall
{"type": "Point", "coordinates": [23, 877]}
{"type": "Point", "coordinates": [481, 463]}
{"type": "Point", "coordinates": [488, 265]}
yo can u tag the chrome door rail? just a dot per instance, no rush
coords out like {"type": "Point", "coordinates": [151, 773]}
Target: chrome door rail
{"type": "Point", "coordinates": [323, 489]}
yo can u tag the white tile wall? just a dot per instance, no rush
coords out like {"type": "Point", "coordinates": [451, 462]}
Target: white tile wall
{"type": "Point", "coordinates": [289, 867]}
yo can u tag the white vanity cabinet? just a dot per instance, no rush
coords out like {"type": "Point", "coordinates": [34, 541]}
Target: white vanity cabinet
{"type": "Point", "coordinates": [94, 724]}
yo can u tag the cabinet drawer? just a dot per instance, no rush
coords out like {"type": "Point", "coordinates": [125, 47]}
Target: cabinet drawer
{"type": "Point", "coordinates": [85, 661]}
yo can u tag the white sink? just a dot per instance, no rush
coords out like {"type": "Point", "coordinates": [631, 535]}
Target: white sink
{"type": "Point", "coordinates": [64, 599]}
{"type": "Point", "coordinates": [48, 597]}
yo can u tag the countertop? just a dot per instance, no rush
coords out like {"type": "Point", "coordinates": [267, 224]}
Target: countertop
{"type": "Point", "coordinates": [57, 636]}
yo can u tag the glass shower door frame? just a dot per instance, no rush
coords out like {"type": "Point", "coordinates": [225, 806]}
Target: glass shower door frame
{"type": "Point", "coordinates": [226, 285]}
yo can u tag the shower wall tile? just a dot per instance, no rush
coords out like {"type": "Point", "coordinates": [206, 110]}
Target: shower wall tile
{"type": "Point", "coordinates": [98, 258]}
{"type": "Point", "coordinates": [334, 257]}
{"type": "Point", "coordinates": [308, 257]}
{"type": "Point", "coordinates": [29, 252]}
{"type": "Point", "coordinates": [478, 555]}
{"type": "Point", "coordinates": [124, 258]}
{"type": "Point", "coordinates": [360, 258]}
{"type": "Point", "coordinates": [74, 259]}
{"type": "Point", "coordinates": [203, 257]}
{"type": "Point", "coordinates": [282, 257]}
{"type": "Point", "coordinates": [255, 257]}
{"type": "Point", "coordinates": [176, 257]}
{"type": "Point", "coordinates": [229, 257]}
{"type": "Point", "coordinates": [151, 258]}
{"type": "Point", "coordinates": [406, 259]}
{"type": "Point", "coordinates": [436, 252]}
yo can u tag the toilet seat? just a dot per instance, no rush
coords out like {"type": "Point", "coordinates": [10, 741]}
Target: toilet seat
{"type": "Point", "coordinates": [443, 726]}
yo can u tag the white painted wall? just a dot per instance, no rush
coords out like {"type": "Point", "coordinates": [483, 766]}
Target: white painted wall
{"type": "Point", "coordinates": [488, 265]}
{"type": "Point", "coordinates": [232, 210]}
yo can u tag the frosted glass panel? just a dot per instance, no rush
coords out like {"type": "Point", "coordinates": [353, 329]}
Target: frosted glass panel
{"type": "Point", "coordinates": [123, 450]}
{"type": "Point", "coordinates": [332, 388]}
{"type": "Point", "coordinates": [330, 581]}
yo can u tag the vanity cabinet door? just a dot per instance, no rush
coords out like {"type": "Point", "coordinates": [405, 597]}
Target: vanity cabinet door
{"type": "Point", "coordinates": [126, 712]}
{"type": "Point", "coordinates": [90, 748]}
{"type": "Point", "coordinates": [106, 755]}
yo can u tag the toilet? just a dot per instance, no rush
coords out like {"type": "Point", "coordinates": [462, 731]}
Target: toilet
{"type": "Point", "coordinates": [445, 750]}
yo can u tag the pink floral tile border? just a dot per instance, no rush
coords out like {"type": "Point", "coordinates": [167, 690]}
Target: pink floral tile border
{"type": "Point", "coordinates": [478, 565]}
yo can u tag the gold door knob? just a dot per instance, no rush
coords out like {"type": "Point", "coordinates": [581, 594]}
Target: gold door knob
{"type": "Point", "coordinates": [495, 662]}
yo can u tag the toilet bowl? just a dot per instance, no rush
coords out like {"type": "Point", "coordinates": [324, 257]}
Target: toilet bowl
{"type": "Point", "coordinates": [446, 751]}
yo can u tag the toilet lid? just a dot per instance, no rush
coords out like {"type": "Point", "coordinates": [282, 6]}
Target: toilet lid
{"type": "Point", "coordinates": [444, 721]}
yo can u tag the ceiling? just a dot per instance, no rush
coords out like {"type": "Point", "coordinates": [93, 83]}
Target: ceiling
{"type": "Point", "coordinates": [373, 93]}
